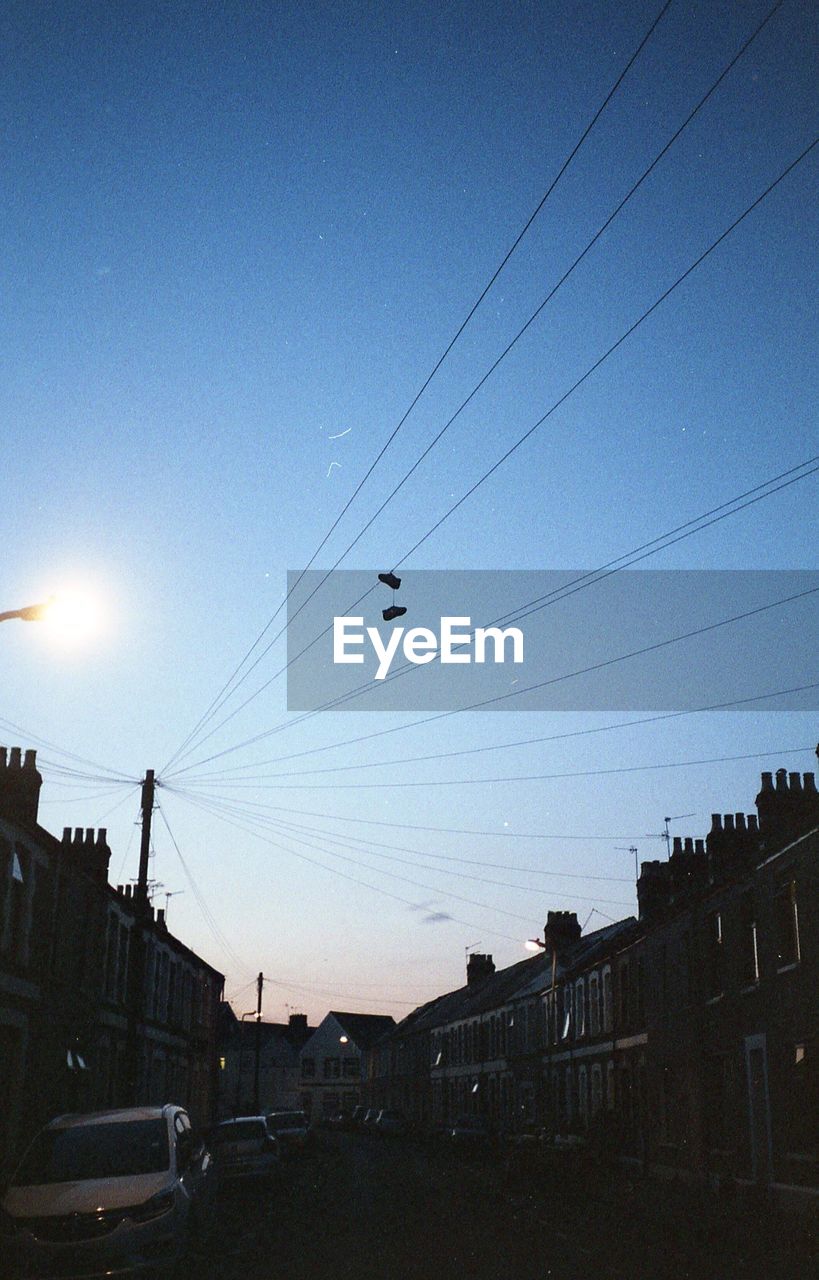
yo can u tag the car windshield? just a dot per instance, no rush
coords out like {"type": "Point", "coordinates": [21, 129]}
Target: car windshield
{"type": "Point", "coordinates": [288, 1120]}
{"type": "Point", "coordinates": [241, 1131]}
{"type": "Point", "coordinates": [104, 1150]}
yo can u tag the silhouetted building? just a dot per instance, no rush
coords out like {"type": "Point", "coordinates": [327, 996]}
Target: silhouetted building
{"type": "Point", "coordinates": [70, 1036]}
{"type": "Point", "coordinates": [279, 1047]}
{"type": "Point", "coordinates": [686, 1039]}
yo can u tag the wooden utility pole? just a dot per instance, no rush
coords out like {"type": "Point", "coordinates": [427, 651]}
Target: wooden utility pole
{"type": "Point", "coordinates": [259, 987]}
{"type": "Point", "coordinates": [137, 948]}
{"type": "Point", "coordinates": [148, 786]}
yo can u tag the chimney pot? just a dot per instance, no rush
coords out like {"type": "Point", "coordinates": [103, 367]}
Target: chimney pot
{"type": "Point", "coordinates": [677, 848]}
{"type": "Point", "coordinates": [753, 823]}
{"type": "Point", "coordinates": [781, 779]}
{"type": "Point", "coordinates": [740, 821]}
{"type": "Point", "coordinates": [810, 783]}
{"type": "Point", "coordinates": [795, 780]}
{"type": "Point", "coordinates": [767, 782]}
{"type": "Point", "coordinates": [30, 760]}
{"type": "Point", "coordinates": [716, 822]}
{"type": "Point", "coordinates": [3, 758]}
{"type": "Point", "coordinates": [699, 846]}
{"type": "Point", "coordinates": [66, 835]}
{"type": "Point", "coordinates": [14, 759]}
{"type": "Point", "coordinates": [78, 835]}
{"type": "Point", "coordinates": [728, 821]}
{"type": "Point", "coordinates": [688, 845]}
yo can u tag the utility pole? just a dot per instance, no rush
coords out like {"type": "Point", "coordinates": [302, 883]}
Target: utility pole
{"type": "Point", "coordinates": [148, 786]}
{"type": "Point", "coordinates": [137, 949]}
{"type": "Point", "coordinates": [259, 987]}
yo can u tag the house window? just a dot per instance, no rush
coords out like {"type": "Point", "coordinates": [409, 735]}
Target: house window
{"type": "Point", "coordinates": [750, 948]}
{"type": "Point", "coordinates": [714, 953]}
{"type": "Point", "coordinates": [641, 992]}
{"type": "Point", "coordinates": [608, 1007]}
{"type": "Point", "coordinates": [583, 1095]}
{"type": "Point", "coordinates": [610, 1086]}
{"type": "Point", "coordinates": [17, 906]}
{"type": "Point", "coordinates": [567, 1013]}
{"type": "Point", "coordinates": [308, 1067]}
{"type": "Point", "coordinates": [351, 1068]}
{"type": "Point", "coordinates": [580, 1008]}
{"type": "Point", "coordinates": [596, 1088]}
{"type": "Point", "coordinates": [786, 926]}
{"type": "Point", "coordinates": [623, 1012]}
{"type": "Point", "coordinates": [594, 1005]}
{"type": "Point", "coordinates": [332, 1068]}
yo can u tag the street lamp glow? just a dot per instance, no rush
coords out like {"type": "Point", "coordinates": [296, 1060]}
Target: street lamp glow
{"type": "Point", "coordinates": [532, 944]}
{"type": "Point", "coordinates": [72, 616]}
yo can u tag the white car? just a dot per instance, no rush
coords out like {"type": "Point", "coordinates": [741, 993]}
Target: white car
{"type": "Point", "coordinates": [113, 1193]}
{"type": "Point", "coordinates": [245, 1147]}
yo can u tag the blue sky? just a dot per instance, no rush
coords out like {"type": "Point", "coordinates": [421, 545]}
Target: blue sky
{"type": "Point", "coordinates": [233, 232]}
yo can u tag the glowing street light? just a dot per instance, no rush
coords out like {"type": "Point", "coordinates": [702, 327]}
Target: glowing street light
{"type": "Point", "coordinates": [69, 615]}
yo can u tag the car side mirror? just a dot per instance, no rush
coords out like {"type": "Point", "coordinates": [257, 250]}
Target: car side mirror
{"type": "Point", "coordinates": [184, 1150]}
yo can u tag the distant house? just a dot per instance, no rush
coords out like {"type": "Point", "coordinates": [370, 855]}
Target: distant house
{"type": "Point", "coordinates": [333, 1062]}
{"type": "Point", "coordinates": [279, 1046]}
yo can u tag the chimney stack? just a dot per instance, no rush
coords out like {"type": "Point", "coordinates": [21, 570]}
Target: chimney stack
{"type": "Point", "coordinates": [788, 810]}
{"type": "Point", "coordinates": [479, 968]}
{"type": "Point", "coordinates": [20, 783]}
{"type": "Point", "coordinates": [562, 929]}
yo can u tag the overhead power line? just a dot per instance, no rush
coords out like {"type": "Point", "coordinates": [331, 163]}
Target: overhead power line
{"type": "Point", "coordinates": [223, 778]}
{"type": "Point", "coordinates": [414, 826]}
{"type": "Point", "coordinates": [485, 378]}
{"type": "Point", "coordinates": [574, 387]}
{"type": "Point", "coordinates": [538, 685]}
{"type": "Point", "coordinates": [209, 918]}
{"type": "Point", "coordinates": [408, 902]}
{"type": "Point", "coordinates": [532, 777]}
{"type": "Point", "coordinates": [228, 688]}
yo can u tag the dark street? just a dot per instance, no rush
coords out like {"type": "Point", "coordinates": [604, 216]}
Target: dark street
{"type": "Point", "coordinates": [377, 1209]}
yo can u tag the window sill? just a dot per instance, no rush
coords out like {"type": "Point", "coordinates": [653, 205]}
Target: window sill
{"type": "Point", "coordinates": [752, 986]}
{"type": "Point", "coordinates": [789, 968]}
{"type": "Point", "coordinates": [715, 999]}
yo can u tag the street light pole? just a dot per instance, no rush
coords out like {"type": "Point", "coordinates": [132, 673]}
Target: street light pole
{"type": "Point", "coordinates": [259, 986]}
{"type": "Point", "coordinates": [29, 613]}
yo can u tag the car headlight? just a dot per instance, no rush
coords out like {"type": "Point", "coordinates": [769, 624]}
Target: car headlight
{"type": "Point", "coordinates": [159, 1204]}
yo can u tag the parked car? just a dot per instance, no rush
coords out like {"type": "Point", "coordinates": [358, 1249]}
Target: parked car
{"type": "Point", "coordinates": [469, 1131]}
{"type": "Point", "coordinates": [390, 1123]}
{"type": "Point", "coordinates": [291, 1129]}
{"type": "Point", "coordinates": [245, 1148]}
{"type": "Point", "coordinates": [109, 1193]}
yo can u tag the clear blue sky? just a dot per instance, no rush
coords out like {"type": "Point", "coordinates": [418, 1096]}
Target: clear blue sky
{"type": "Point", "coordinates": [233, 232]}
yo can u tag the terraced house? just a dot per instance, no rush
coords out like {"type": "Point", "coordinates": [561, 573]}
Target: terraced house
{"type": "Point", "coordinates": [685, 1038]}
{"type": "Point", "coordinates": [100, 1005]}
